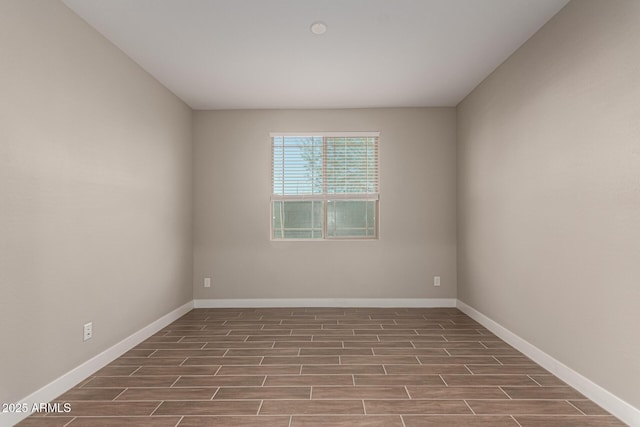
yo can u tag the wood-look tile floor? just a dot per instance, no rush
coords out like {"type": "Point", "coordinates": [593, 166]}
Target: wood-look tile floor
{"type": "Point", "coordinates": [302, 367]}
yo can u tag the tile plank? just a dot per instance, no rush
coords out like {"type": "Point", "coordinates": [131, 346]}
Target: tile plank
{"type": "Point", "coordinates": [297, 407]}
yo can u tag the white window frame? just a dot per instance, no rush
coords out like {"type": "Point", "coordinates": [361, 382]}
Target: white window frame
{"type": "Point", "coordinates": [325, 198]}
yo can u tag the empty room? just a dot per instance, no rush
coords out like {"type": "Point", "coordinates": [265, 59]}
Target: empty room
{"type": "Point", "coordinates": [320, 213]}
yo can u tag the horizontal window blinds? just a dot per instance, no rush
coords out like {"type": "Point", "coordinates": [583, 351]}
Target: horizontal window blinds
{"type": "Point", "coordinates": [322, 166]}
{"type": "Point", "coordinates": [351, 165]}
{"type": "Point", "coordinates": [297, 165]}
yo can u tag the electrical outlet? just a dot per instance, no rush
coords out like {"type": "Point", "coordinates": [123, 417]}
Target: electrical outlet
{"type": "Point", "coordinates": [207, 282]}
{"type": "Point", "coordinates": [436, 280]}
{"type": "Point", "coordinates": [88, 331]}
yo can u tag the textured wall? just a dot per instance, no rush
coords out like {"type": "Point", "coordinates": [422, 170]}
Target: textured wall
{"type": "Point", "coordinates": [95, 195]}
{"type": "Point", "coordinates": [549, 193]}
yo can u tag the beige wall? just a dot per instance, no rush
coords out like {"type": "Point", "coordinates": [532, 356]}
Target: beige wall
{"type": "Point", "coordinates": [95, 195]}
{"type": "Point", "coordinates": [417, 209]}
{"type": "Point", "coordinates": [549, 193]}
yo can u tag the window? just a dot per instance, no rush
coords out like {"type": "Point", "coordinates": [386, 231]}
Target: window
{"type": "Point", "coordinates": [324, 185]}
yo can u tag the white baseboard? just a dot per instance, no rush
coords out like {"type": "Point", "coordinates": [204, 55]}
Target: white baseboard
{"type": "Point", "coordinates": [612, 403]}
{"type": "Point", "coordinates": [618, 407]}
{"type": "Point", "coordinates": [74, 376]}
{"type": "Point", "coordinates": [325, 302]}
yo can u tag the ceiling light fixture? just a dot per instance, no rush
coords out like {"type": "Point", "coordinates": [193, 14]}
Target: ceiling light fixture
{"type": "Point", "coordinates": [318, 28]}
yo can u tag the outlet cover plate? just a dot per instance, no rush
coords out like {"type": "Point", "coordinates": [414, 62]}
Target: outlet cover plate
{"type": "Point", "coordinates": [87, 331]}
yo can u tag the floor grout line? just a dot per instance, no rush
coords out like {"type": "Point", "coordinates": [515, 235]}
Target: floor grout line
{"type": "Point", "coordinates": [445, 383]}
{"type": "Point", "coordinates": [468, 406]}
{"type": "Point", "coordinates": [152, 412]}
{"type": "Point", "coordinates": [583, 413]}
{"type": "Point", "coordinates": [534, 380]}
{"type": "Point", "coordinates": [215, 393]}
{"type": "Point", "coordinates": [174, 383]}
{"type": "Point", "coordinates": [120, 394]}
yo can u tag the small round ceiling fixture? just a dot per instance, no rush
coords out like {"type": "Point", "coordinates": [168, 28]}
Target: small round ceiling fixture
{"type": "Point", "coordinates": [318, 28]}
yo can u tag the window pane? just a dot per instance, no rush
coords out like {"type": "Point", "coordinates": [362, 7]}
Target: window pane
{"type": "Point", "coordinates": [351, 218]}
{"type": "Point", "coordinates": [297, 219]}
{"type": "Point", "coordinates": [351, 165]}
{"type": "Point", "coordinates": [297, 165]}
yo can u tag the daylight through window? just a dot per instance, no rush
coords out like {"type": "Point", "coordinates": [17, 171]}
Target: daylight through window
{"type": "Point", "coordinates": [324, 185]}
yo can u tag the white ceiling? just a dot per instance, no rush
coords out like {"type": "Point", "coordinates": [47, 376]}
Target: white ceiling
{"type": "Point", "coordinates": [223, 54]}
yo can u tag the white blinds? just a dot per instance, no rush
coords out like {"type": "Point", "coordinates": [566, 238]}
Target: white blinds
{"type": "Point", "coordinates": [297, 165]}
{"type": "Point", "coordinates": [329, 165]}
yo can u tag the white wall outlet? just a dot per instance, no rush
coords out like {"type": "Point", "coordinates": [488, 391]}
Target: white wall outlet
{"type": "Point", "coordinates": [436, 280]}
{"type": "Point", "coordinates": [207, 282]}
{"type": "Point", "coordinates": [88, 331]}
